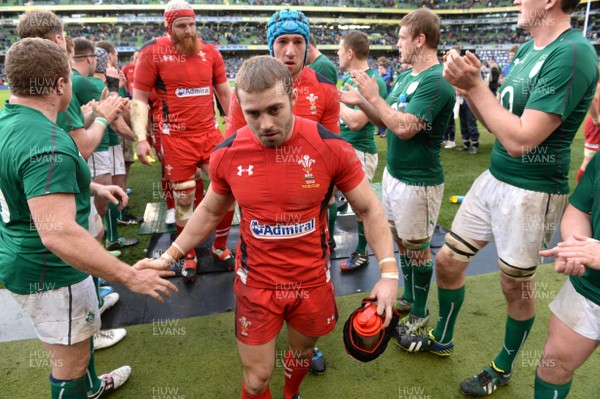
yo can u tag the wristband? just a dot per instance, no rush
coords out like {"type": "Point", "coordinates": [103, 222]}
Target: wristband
{"type": "Point", "coordinates": [101, 120]}
{"type": "Point", "coordinates": [592, 240]}
{"type": "Point", "coordinates": [394, 276]}
{"type": "Point", "coordinates": [177, 247]}
{"type": "Point", "coordinates": [384, 260]}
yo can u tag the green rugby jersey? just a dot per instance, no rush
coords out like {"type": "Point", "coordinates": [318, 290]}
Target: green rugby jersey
{"type": "Point", "coordinates": [586, 198]}
{"type": "Point", "coordinates": [559, 79]}
{"type": "Point", "coordinates": [37, 158]}
{"type": "Point", "coordinates": [429, 97]}
{"type": "Point", "coordinates": [86, 89]}
{"type": "Point", "coordinates": [325, 67]}
{"type": "Point", "coordinates": [363, 139]}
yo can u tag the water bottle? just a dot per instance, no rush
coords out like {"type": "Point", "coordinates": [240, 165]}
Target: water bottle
{"type": "Point", "coordinates": [457, 199]}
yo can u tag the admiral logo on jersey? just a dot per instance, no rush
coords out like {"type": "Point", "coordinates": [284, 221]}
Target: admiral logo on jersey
{"type": "Point", "coordinates": [192, 91]}
{"type": "Point", "coordinates": [281, 231]}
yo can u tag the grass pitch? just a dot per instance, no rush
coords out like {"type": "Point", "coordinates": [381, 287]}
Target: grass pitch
{"type": "Point", "coordinates": [197, 357]}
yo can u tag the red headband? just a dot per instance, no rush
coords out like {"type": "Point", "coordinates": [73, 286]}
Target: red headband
{"type": "Point", "coordinates": [171, 16]}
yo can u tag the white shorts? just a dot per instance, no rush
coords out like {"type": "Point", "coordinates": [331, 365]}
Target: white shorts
{"type": "Point", "coordinates": [521, 222]}
{"type": "Point", "coordinates": [577, 312]}
{"type": "Point", "coordinates": [95, 225]}
{"type": "Point", "coordinates": [118, 160]}
{"type": "Point", "coordinates": [64, 316]}
{"type": "Point", "coordinates": [100, 164]}
{"type": "Point", "coordinates": [368, 162]}
{"type": "Point", "coordinates": [589, 153]}
{"type": "Point", "coordinates": [413, 209]}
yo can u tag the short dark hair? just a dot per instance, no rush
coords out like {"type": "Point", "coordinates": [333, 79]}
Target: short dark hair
{"type": "Point", "coordinates": [312, 41]}
{"type": "Point", "coordinates": [34, 65]}
{"type": "Point", "coordinates": [39, 23]}
{"type": "Point", "coordinates": [83, 46]}
{"type": "Point", "coordinates": [567, 6]}
{"type": "Point", "coordinates": [423, 21]}
{"type": "Point", "coordinates": [106, 46]}
{"type": "Point", "coordinates": [358, 42]}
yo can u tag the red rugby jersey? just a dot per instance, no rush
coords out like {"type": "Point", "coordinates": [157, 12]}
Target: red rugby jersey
{"type": "Point", "coordinates": [129, 70]}
{"type": "Point", "coordinates": [318, 100]}
{"type": "Point", "coordinates": [283, 194]}
{"type": "Point", "coordinates": [591, 132]}
{"type": "Point", "coordinates": [183, 83]}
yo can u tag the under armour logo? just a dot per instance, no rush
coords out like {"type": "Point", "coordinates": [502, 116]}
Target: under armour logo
{"type": "Point", "coordinates": [242, 170]}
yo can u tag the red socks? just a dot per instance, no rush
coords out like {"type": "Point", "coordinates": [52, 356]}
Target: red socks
{"type": "Point", "coordinates": [222, 230]}
{"type": "Point", "coordinates": [579, 174]}
{"type": "Point", "coordinates": [168, 193]}
{"type": "Point", "coordinates": [199, 196]}
{"type": "Point", "coordinates": [265, 394]}
{"type": "Point", "coordinates": [295, 370]}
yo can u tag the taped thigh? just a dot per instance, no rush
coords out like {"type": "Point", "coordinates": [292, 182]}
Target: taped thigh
{"type": "Point", "coordinates": [181, 188]}
{"type": "Point", "coordinates": [460, 248]}
{"type": "Point", "coordinates": [516, 273]}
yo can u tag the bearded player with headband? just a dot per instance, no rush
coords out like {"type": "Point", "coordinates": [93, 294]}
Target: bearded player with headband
{"type": "Point", "coordinates": [185, 72]}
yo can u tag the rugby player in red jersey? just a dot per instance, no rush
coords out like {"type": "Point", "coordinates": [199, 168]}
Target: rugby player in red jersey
{"type": "Point", "coordinates": [282, 269]}
{"type": "Point", "coordinates": [288, 36]}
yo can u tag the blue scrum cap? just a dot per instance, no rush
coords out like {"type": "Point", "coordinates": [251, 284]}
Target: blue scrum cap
{"type": "Point", "coordinates": [288, 22]}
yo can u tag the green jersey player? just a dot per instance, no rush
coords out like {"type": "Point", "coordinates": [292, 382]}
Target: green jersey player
{"type": "Point", "coordinates": [416, 114]}
{"type": "Point", "coordinates": [544, 99]}
{"type": "Point", "coordinates": [46, 254]}
{"type": "Point", "coordinates": [356, 128]}
{"type": "Point", "coordinates": [576, 307]}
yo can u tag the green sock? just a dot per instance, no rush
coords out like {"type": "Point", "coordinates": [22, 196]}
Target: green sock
{"type": "Point", "coordinates": [331, 216]}
{"type": "Point", "coordinates": [92, 382]}
{"type": "Point", "coordinates": [515, 334]}
{"type": "Point", "coordinates": [450, 303]}
{"type": "Point", "coordinates": [362, 241]}
{"type": "Point", "coordinates": [545, 390]}
{"type": "Point", "coordinates": [69, 389]}
{"type": "Point", "coordinates": [421, 283]}
{"type": "Point", "coordinates": [123, 213]}
{"type": "Point", "coordinates": [110, 219]}
{"type": "Point", "coordinates": [97, 286]}
{"type": "Point", "coordinates": [407, 272]}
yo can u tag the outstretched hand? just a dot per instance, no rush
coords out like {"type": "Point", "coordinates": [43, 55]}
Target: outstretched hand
{"type": "Point", "coordinates": [114, 194]}
{"type": "Point", "coordinates": [151, 282]}
{"type": "Point", "coordinates": [574, 255]}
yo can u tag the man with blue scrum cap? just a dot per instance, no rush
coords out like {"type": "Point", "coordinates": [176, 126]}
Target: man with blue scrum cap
{"type": "Point", "coordinates": [288, 36]}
